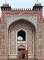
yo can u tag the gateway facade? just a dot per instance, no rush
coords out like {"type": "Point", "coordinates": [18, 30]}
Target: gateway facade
{"type": "Point", "coordinates": [22, 33]}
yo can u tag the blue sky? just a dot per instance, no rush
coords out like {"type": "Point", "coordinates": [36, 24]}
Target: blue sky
{"type": "Point", "coordinates": [21, 3]}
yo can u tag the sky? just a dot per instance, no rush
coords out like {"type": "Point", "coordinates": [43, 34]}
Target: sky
{"type": "Point", "coordinates": [21, 3]}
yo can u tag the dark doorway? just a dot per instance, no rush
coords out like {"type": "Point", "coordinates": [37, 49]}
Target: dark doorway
{"type": "Point", "coordinates": [22, 54]}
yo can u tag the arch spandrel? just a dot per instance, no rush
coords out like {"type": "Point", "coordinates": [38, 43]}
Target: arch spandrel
{"type": "Point", "coordinates": [10, 19]}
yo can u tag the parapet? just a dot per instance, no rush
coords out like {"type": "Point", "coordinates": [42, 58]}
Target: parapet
{"type": "Point", "coordinates": [22, 9]}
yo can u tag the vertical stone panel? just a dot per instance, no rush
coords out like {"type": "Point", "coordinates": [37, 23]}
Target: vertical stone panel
{"type": "Point", "coordinates": [3, 41]}
{"type": "Point", "coordinates": [30, 39]}
{"type": "Point", "coordinates": [12, 42]}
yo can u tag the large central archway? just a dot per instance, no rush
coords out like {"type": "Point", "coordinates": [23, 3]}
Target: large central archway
{"type": "Point", "coordinates": [22, 33]}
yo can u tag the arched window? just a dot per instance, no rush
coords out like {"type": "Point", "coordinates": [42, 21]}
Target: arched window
{"type": "Point", "coordinates": [21, 35]}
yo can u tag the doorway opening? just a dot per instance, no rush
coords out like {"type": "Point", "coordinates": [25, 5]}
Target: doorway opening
{"type": "Point", "coordinates": [22, 54]}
